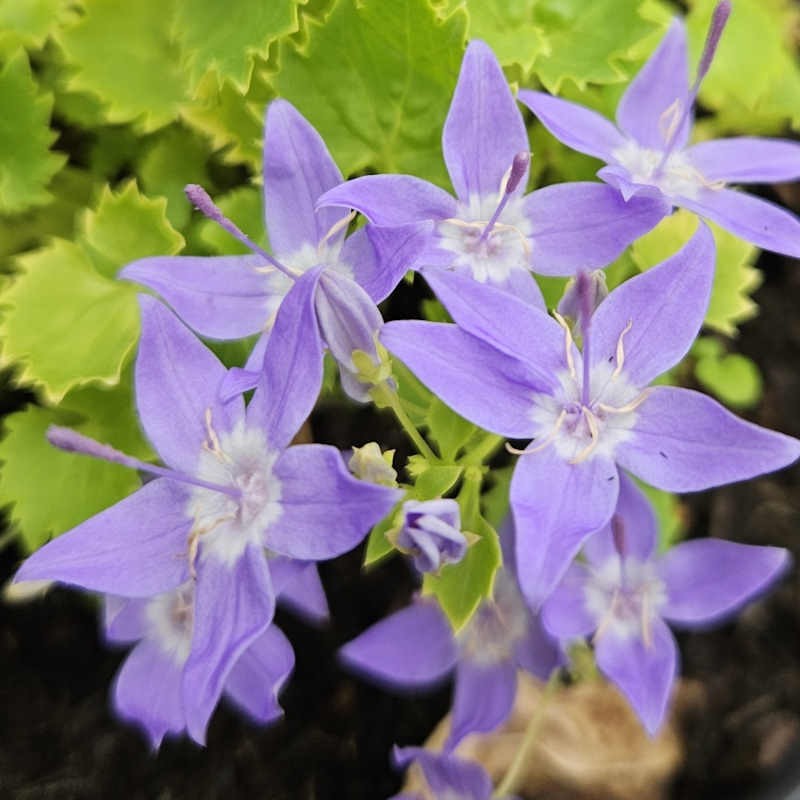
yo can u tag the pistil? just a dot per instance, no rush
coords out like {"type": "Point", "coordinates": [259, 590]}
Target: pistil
{"type": "Point", "coordinates": [518, 167]}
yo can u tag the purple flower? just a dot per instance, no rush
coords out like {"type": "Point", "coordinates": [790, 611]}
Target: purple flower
{"type": "Point", "coordinates": [647, 152]}
{"type": "Point", "coordinates": [624, 592]}
{"type": "Point", "coordinates": [448, 777]}
{"type": "Point", "coordinates": [150, 689]}
{"type": "Point", "coordinates": [514, 370]}
{"type": "Point", "coordinates": [230, 297]}
{"type": "Point", "coordinates": [237, 511]}
{"type": "Point", "coordinates": [416, 647]}
{"type": "Point", "coordinates": [492, 231]}
{"type": "Point", "coordinates": [430, 532]}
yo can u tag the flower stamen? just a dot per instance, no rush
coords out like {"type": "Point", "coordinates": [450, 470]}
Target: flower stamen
{"type": "Point", "coordinates": [569, 343]}
{"type": "Point", "coordinates": [528, 451]}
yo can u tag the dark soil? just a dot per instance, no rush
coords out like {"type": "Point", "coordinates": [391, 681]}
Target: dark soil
{"type": "Point", "coordinates": [58, 739]}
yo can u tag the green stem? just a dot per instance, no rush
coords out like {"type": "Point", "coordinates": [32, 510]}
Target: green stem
{"type": "Point", "coordinates": [511, 780]}
{"type": "Point", "coordinates": [384, 396]}
{"type": "Point", "coordinates": [484, 450]}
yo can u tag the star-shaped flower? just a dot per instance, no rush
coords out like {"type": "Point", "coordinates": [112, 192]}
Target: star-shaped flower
{"type": "Point", "coordinates": [516, 371]}
{"type": "Point", "coordinates": [230, 297]}
{"type": "Point", "coordinates": [234, 504]}
{"type": "Point", "coordinates": [492, 231]}
{"type": "Point", "coordinates": [648, 154]}
{"type": "Point", "coordinates": [624, 593]}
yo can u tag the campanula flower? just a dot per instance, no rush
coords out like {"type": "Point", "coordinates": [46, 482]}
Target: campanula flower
{"type": "Point", "coordinates": [149, 688]}
{"type": "Point", "coordinates": [624, 593]}
{"type": "Point", "coordinates": [517, 372]}
{"type": "Point", "coordinates": [234, 502]}
{"type": "Point", "coordinates": [230, 297]}
{"type": "Point", "coordinates": [491, 230]}
{"type": "Point", "coordinates": [648, 153]}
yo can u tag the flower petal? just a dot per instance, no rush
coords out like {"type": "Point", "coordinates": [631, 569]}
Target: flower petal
{"type": "Point", "coordinates": [297, 585]}
{"type": "Point", "coordinates": [147, 691]}
{"type": "Point", "coordinates": [556, 505]}
{"type": "Point", "coordinates": [360, 254]}
{"type": "Point", "coordinates": [135, 548]}
{"type": "Point", "coordinates": [484, 128]}
{"type": "Point", "coordinates": [391, 200]}
{"type": "Point", "coordinates": [484, 696]}
{"type": "Point", "coordinates": [234, 606]}
{"type": "Point", "coordinates": [683, 441]}
{"type": "Point", "coordinates": [755, 220]}
{"type": "Point", "coordinates": [325, 511]}
{"type": "Point", "coordinates": [446, 775]}
{"type": "Point", "coordinates": [664, 308]}
{"type": "Point", "coordinates": [639, 526]}
{"type": "Point", "coordinates": [657, 96]}
{"type": "Point", "coordinates": [410, 649]}
{"type": "Point", "coordinates": [707, 579]}
{"type": "Point", "coordinates": [747, 159]}
{"type": "Point", "coordinates": [577, 127]}
{"type": "Point", "coordinates": [298, 169]}
{"type": "Point", "coordinates": [257, 677]}
{"type": "Point", "coordinates": [565, 614]}
{"type": "Point", "coordinates": [123, 619]}
{"type": "Point", "coordinates": [221, 297]}
{"type": "Point", "coordinates": [482, 384]}
{"type": "Point", "coordinates": [644, 673]}
{"type": "Point", "coordinates": [581, 226]}
{"type": "Point", "coordinates": [177, 381]}
{"type": "Point", "coordinates": [292, 369]}
{"type": "Point", "coordinates": [397, 251]}
{"type": "Point", "coordinates": [537, 652]}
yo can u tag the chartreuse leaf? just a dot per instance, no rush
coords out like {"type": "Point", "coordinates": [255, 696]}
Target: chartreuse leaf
{"type": "Point", "coordinates": [225, 39]}
{"type": "Point", "coordinates": [449, 431]}
{"type": "Point", "coordinates": [28, 22]}
{"type": "Point", "coordinates": [51, 491]}
{"type": "Point", "coordinates": [375, 80]}
{"type": "Point", "coordinates": [246, 208]}
{"type": "Point", "coordinates": [735, 278]}
{"type": "Point", "coordinates": [732, 377]}
{"type": "Point", "coordinates": [590, 42]}
{"type": "Point", "coordinates": [26, 162]}
{"type": "Point", "coordinates": [66, 321]}
{"type": "Point", "coordinates": [757, 43]}
{"type": "Point", "coordinates": [124, 54]}
{"type": "Point", "coordinates": [460, 587]}
{"type": "Point", "coordinates": [378, 546]}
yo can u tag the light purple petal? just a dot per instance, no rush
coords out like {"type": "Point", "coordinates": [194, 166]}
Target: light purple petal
{"type": "Point", "coordinates": [147, 691]}
{"type": "Point", "coordinates": [397, 251]}
{"type": "Point", "coordinates": [565, 614]}
{"type": "Point", "coordinates": [747, 159]}
{"type": "Point", "coordinates": [484, 128]}
{"type": "Point", "coordinates": [391, 200]}
{"type": "Point", "coordinates": [257, 677]}
{"type": "Point", "coordinates": [537, 652]}
{"type": "Point", "coordinates": [683, 442]}
{"type": "Point", "coordinates": [135, 548]}
{"type": "Point", "coordinates": [413, 648]}
{"type": "Point", "coordinates": [298, 169]}
{"type": "Point", "coordinates": [359, 253]}
{"type": "Point", "coordinates": [177, 382]}
{"type": "Point", "coordinates": [482, 384]}
{"type": "Point", "coordinates": [484, 697]}
{"type": "Point", "coordinates": [292, 371]}
{"type": "Point", "coordinates": [521, 284]}
{"type": "Point", "coordinates": [639, 527]}
{"type": "Point", "coordinates": [581, 226]}
{"type": "Point", "coordinates": [297, 585]}
{"type": "Point", "coordinates": [123, 619]}
{"type": "Point", "coordinates": [664, 307]}
{"type": "Point", "coordinates": [577, 127]}
{"type": "Point", "coordinates": [325, 511]}
{"type": "Point", "coordinates": [221, 297]}
{"type": "Point", "coordinates": [234, 605]}
{"type": "Point", "coordinates": [446, 775]}
{"type": "Point", "coordinates": [755, 220]}
{"type": "Point", "coordinates": [707, 579]}
{"type": "Point", "coordinates": [644, 673]}
{"type": "Point", "coordinates": [556, 505]}
{"type": "Point", "coordinates": [658, 94]}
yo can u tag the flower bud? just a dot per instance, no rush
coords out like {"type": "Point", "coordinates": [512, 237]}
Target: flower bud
{"type": "Point", "coordinates": [368, 463]}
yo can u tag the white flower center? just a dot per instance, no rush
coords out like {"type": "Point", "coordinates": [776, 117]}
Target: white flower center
{"type": "Point", "coordinates": [678, 177]}
{"type": "Point", "coordinates": [224, 526]}
{"type": "Point", "coordinates": [169, 618]}
{"type": "Point", "coordinates": [495, 256]}
{"type": "Point", "coordinates": [624, 597]}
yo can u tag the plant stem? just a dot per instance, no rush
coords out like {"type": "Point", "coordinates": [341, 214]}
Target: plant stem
{"type": "Point", "coordinates": [509, 783]}
{"type": "Point", "coordinates": [384, 396]}
{"type": "Point", "coordinates": [483, 450]}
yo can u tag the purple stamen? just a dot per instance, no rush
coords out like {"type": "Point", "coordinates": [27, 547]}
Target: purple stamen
{"type": "Point", "coordinates": [518, 167]}
{"type": "Point", "coordinates": [584, 292]}
{"type": "Point", "coordinates": [74, 442]}
{"type": "Point", "coordinates": [199, 197]}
